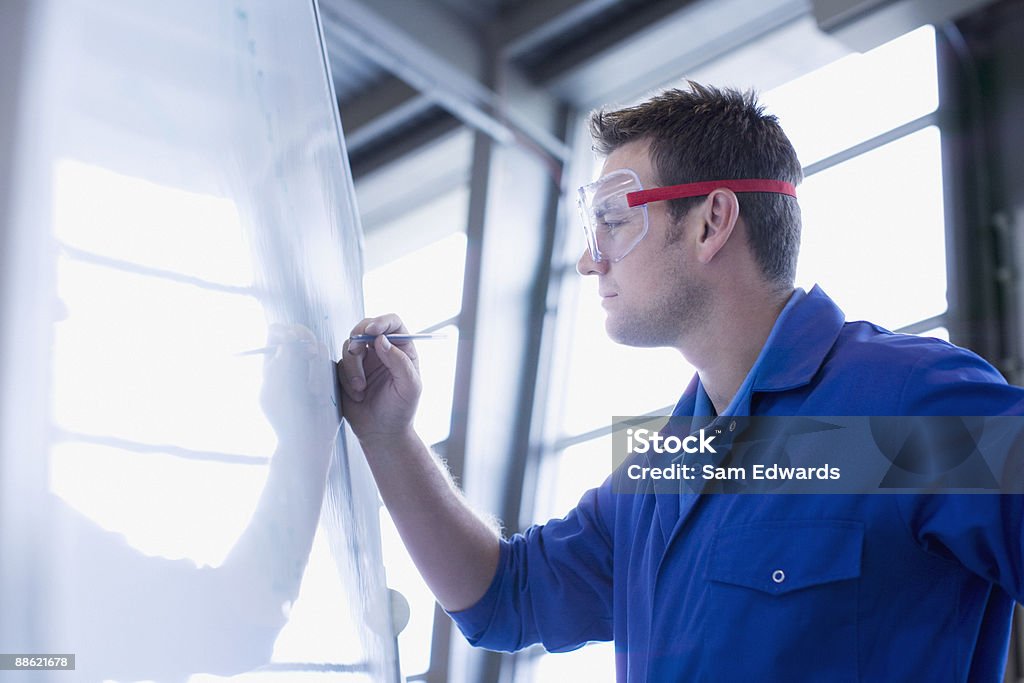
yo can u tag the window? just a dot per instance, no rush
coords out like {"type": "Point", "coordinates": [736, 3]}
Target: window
{"type": "Point", "coordinates": [864, 128]}
{"type": "Point", "coordinates": [414, 215]}
{"type": "Point", "coordinates": [882, 257]}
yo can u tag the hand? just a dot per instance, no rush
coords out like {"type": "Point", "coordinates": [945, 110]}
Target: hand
{"type": "Point", "coordinates": [298, 386]}
{"type": "Point", "coordinates": [380, 381]}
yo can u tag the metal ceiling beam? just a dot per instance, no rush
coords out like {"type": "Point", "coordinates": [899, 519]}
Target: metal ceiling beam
{"type": "Point", "coordinates": [413, 53]}
{"type": "Point", "coordinates": [865, 24]}
{"type": "Point", "coordinates": [538, 21]}
{"type": "Point", "coordinates": [422, 177]}
{"type": "Point", "coordinates": [400, 142]}
{"type": "Point", "coordinates": [372, 116]}
{"type": "Point", "coordinates": [644, 51]}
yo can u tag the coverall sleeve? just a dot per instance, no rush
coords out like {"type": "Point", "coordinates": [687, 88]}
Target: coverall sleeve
{"type": "Point", "coordinates": [983, 532]}
{"type": "Point", "coordinates": [553, 584]}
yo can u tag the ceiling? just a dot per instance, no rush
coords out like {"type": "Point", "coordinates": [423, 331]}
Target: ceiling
{"type": "Point", "coordinates": [407, 72]}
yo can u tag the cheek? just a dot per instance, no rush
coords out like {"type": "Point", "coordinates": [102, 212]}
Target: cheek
{"type": "Point", "coordinates": [666, 276]}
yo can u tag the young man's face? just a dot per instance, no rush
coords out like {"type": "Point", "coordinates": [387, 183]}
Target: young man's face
{"type": "Point", "coordinates": [653, 295]}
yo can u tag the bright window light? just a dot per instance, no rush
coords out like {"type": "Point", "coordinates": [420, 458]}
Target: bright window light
{"type": "Point", "coordinates": [163, 505]}
{"type": "Point", "coordinates": [594, 662]}
{"type": "Point", "coordinates": [415, 641]}
{"type": "Point", "coordinates": [570, 473]}
{"type": "Point", "coordinates": [153, 360]}
{"type": "Point", "coordinates": [607, 379]}
{"type": "Point", "coordinates": [401, 286]}
{"type": "Point", "coordinates": [322, 624]}
{"type": "Point", "coordinates": [411, 231]}
{"type": "Point", "coordinates": [874, 233]}
{"type": "Point", "coordinates": [859, 96]}
{"type": "Point", "coordinates": [321, 628]}
{"type": "Point", "coordinates": [132, 219]}
{"type": "Point", "coordinates": [437, 367]}
{"type": "Point", "coordinates": [938, 333]}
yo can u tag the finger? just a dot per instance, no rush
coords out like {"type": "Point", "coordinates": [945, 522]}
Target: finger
{"type": "Point", "coordinates": [360, 327]}
{"type": "Point", "coordinates": [389, 324]}
{"type": "Point", "coordinates": [351, 372]}
{"type": "Point", "coordinates": [398, 364]}
{"type": "Point", "coordinates": [378, 323]}
{"type": "Point", "coordinates": [384, 324]}
{"type": "Point", "coordinates": [346, 385]}
{"type": "Point", "coordinates": [409, 348]}
{"type": "Point", "coordinates": [360, 359]}
{"type": "Point", "coordinates": [357, 349]}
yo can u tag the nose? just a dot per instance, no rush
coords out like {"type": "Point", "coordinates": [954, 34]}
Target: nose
{"type": "Point", "coordinates": [586, 265]}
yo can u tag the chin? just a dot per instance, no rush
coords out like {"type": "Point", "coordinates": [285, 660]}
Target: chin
{"type": "Point", "coordinates": [613, 328]}
{"type": "Point", "coordinates": [636, 332]}
{"type": "Point", "coordinates": [613, 333]}
{"type": "Point", "coordinates": [622, 332]}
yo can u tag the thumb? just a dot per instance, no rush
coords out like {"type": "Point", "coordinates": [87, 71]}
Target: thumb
{"type": "Point", "coordinates": [398, 363]}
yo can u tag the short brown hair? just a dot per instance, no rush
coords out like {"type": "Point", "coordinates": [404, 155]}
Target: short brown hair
{"type": "Point", "coordinates": [706, 133]}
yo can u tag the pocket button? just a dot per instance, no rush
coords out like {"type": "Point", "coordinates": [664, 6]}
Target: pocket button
{"type": "Point", "coordinates": [778, 576]}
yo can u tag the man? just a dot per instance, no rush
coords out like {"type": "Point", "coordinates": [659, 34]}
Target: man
{"type": "Point", "coordinates": [720, 587]}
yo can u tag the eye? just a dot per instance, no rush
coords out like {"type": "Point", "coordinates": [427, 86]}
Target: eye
{"type": "Point", "coordinates": [610, 220]}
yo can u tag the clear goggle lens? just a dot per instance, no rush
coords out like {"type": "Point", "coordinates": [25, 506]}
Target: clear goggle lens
{"type": "Point", "coordinates": [613, 228]}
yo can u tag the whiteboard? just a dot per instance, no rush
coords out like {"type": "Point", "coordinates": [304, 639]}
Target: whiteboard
{"type": "Point", "coordinates": [182, 192]}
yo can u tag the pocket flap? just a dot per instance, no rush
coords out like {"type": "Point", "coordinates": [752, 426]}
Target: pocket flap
{"type": "Point", "coordinates": [781, 557]}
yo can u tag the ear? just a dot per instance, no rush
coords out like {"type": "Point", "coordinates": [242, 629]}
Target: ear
{"type": "Point", "coordinates": [719, 212]}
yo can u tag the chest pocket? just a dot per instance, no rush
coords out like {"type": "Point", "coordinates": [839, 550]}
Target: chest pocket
{"type": "Point", "coordinates": [783, 600]}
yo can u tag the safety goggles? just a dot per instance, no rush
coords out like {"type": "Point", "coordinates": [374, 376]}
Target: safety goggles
{"type": "Point", "coordinates": [614, 207]}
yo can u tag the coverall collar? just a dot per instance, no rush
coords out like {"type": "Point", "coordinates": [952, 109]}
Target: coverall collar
{"type": "Point", "coordinates": [794, 351]}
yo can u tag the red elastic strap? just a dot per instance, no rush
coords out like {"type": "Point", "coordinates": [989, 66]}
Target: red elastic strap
{"type": "Point", "coordinates": [658, 194]}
